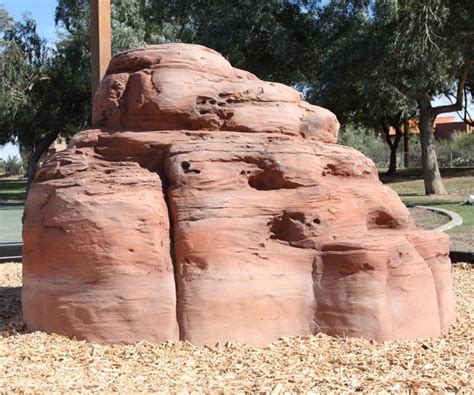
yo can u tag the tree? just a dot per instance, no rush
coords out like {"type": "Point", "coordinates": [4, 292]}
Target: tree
{"type": "Point", "coordinates": [434, 56]}
{"type": "Point", "coordinates": [326, 50]}
{"type": "Point", "coordinates": [5, 23]}
{"type": "Point", "coordinates": [420, 49]}
{"type": "Point", "coordinates": [351, 69]}
{"type": "Point", "coordinates": [271, 38]}
{"type": "Point", "coordinates": [46, 92]}
{"type": "Point", "coordinates": [373, 63]}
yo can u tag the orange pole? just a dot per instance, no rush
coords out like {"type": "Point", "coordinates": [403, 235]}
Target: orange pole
{"type": "Point", "coordinates": [100, 40]}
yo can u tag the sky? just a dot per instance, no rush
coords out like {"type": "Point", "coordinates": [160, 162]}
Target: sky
{"type": "Point", "coordinates": [43, 12]}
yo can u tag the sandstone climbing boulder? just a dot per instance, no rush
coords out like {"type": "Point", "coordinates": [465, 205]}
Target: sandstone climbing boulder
{"type": "Point", "coordinates": [208, 205]}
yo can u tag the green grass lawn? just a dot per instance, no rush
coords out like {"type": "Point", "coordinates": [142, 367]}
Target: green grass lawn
{"type": "Point", "coordinates": [458, 182]}
{"type": "Point", "coordinates": [12, 189]}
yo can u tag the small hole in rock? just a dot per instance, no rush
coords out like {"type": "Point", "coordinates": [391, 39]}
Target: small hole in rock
{"type": "Point", "coordinates": [288, 227]}
{"type": "Point", "coordinates": [271, 179]}
{"type": "Point", "coordinates": [187, 168]}
{"type": "Point", "coordinates": [381, 219]}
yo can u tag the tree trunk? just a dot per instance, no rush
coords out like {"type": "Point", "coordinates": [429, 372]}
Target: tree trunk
{"type": "Point", "coordinates": [406, 145]}
{"type": "Point", "coordinates": [431, 175]}
{"type": "Point", "coordinates": [392, 167]}
{"type": "Point", "coordinates": [38, 152]}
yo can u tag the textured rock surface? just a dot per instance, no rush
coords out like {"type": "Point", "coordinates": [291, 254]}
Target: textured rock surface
{"type": "Point", "coordinates": [212, 206]}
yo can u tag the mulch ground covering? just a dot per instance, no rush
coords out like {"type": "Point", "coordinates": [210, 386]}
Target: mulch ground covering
{"type": "Point", "coordinates": [41, 363]}
{"type": "Point", "coordinates": [427, 219]}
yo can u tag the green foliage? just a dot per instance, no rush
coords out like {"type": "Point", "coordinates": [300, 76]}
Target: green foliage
{"type": "Point", "coordinates": [47, 91]}
{"type": "Point", "coordinates": [23, 64]}
{"type": "Point", "coordinates": [365, 60]}
{"type": "Point", "coordinates": [13, 166]}
{"type": "Point", "coordinates": [458, 151]}
{"type": "Point", "coordinates": [432, 41]}
{"type": "Point", "coordinates": [44, 89]}
{"type": "Point", "coordinates": [267, 37]}
{"type": "Point", "coordinates": [5, 23]}
{"type": "Point", "coordinates": [365, 141]}
{"type": "Point", "coordinates": [130, 27]}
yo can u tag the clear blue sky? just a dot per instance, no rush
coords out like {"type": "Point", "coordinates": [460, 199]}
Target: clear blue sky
{"type": "Point", "coordinates": [41, 10]}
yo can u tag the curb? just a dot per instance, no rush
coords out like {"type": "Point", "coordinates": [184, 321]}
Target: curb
{"type": "Point", "coordinates": [461, 256]}
{"type": "Point", "coordinates": [455, 218]}
{"type": "Point", "coordinates": [10, 252]}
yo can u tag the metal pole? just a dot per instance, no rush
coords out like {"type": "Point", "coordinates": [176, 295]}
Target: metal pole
{"type": "Point", "coordinates": [100, 41]}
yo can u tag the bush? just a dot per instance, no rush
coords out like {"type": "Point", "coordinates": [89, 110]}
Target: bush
{"type": "Point", "coordinates": [13, 166]}
{"type": "Point", "coordinates": [367, 142]}
{"type": "Point", "coordinates": [455, 152]}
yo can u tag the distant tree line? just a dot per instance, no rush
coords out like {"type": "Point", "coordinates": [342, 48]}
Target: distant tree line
{"type": "Point", "coordinates": [376, 64]}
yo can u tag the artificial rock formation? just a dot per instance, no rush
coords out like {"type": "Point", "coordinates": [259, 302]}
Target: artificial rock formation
{"type": "Point", "coordinates": [208, 205]}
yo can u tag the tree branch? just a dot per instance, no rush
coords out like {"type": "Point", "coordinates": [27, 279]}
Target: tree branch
{"type": "Point", "coordinates": [459, 96]}
{"type": "Point", "coordinates": [38, 152]}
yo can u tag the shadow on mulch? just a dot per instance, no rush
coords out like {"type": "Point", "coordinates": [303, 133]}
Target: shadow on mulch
{"type": "Point", "coordinates": [11, 318]}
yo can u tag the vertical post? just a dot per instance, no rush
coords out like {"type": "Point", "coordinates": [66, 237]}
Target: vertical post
{"type": "Point", "coordinates": [100, 40]}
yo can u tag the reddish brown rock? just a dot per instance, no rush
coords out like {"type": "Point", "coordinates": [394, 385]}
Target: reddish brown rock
{"type": "Point", "coordinates": [275, 230]}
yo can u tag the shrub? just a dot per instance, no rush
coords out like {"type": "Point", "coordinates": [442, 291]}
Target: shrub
{"type": "Point", "coordinates": [367, 142]}
{"type": "Point", "coordinates": [455, 152]}
{"type": "Point", "coordinates": [13, 166]}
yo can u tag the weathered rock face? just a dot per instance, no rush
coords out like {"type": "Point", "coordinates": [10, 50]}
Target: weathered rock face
{"type": "Point", "coordinates": [211, 206]}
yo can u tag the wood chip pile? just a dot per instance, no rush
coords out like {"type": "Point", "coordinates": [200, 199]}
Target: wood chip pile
{"type": "Point", "coordinates": [39, 363]}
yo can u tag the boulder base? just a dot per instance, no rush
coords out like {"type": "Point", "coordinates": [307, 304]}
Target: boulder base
{"type": "Point", "coordinates": [208, 205]}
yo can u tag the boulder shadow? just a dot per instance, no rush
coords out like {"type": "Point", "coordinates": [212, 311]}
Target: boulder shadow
{"type": "Point", "coordinates": [11, 317]}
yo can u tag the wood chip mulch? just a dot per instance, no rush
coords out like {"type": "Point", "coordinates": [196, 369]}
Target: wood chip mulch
{"type": "Point", "coordinates": [41, 363]}
{"type": "Point", "coordinates": [426, 219]}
